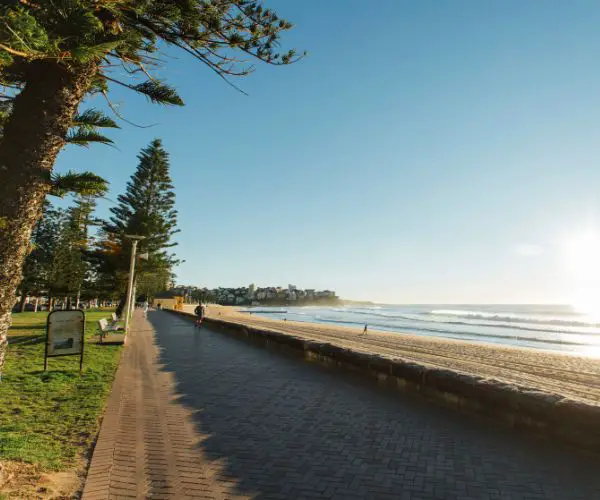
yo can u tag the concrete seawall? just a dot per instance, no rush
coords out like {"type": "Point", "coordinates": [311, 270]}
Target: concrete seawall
{"type": "Point", "coordinates": [549, 415]}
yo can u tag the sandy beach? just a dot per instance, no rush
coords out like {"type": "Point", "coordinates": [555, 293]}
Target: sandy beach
{"type": "Point", "coordinates": [571, 376]}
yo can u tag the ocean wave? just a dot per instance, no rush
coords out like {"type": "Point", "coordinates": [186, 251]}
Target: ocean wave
{"type": "Point", "coordinates": [513, 326]}
{"type": "Point", "coordinates": [510, 318]}
{"type": "Point", "coordinates": [264, 311]}
{"type": "Point", "coordinates": [380, 315]}
{"type": "Point", "coordinates": [557, 328]}
{"type": "Point", "coordinates": [465, 335]}
{"type": "Point", "coordinates": [465, 318]}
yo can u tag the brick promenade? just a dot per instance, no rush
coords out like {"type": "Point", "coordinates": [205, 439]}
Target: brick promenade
{"type": "Point", "coordinates": [196, 414]}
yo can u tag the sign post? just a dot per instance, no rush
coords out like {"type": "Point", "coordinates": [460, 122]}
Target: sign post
{"type": "Point", "coordinates": [65, 335]}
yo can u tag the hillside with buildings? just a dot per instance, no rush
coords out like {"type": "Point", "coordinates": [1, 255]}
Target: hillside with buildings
{"type": "Point", "coordinates": [253, 295]}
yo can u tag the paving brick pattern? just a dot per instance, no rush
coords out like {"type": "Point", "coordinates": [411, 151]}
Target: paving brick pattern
{"type": "Point", "coordinates": [197, 414]}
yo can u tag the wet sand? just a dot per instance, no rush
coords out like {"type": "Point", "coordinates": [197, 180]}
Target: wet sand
{"type": "Point", "coordinates": [571, 376]}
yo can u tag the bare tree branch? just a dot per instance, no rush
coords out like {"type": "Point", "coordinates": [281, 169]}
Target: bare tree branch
{"type": "Point", "coordinates": [116, 112]}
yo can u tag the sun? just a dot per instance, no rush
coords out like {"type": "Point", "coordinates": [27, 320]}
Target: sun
{"type": "Point", "coordinates": [587, 303]}
{"type": "Point", "coordinates": [583, 263]}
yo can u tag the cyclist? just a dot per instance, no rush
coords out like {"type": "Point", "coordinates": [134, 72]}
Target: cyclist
{"type": "Point", "coordinates": [199, 312]}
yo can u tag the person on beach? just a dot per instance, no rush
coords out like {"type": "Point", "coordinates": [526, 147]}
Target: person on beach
{"type": "Point", "coordinates": [199, 312]}
{"type": "Point", "coordinates": [365, 330]}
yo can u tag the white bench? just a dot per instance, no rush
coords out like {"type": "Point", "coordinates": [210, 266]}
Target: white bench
{"type": "Point", "coordinates": [105, 326]}
{"type": "Point", "coordinates": [115, 323]}
{"type": "Point", "coordinates": [110, 334]}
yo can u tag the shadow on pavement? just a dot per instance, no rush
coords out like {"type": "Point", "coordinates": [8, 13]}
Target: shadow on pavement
{"type": "Point", "coordinates": [283, 428]}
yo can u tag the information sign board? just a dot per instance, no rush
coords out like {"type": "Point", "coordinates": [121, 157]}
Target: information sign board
{"type": "Point", "coordinates": [64, 335]}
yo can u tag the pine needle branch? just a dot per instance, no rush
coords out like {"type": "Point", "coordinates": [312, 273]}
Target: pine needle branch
{"type": "Point", "coordinates": [84, 137]}
{"type": "Point", "coordinates": [84, 183]}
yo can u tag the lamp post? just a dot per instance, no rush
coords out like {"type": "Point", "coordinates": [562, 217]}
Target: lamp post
{"type": "Point", "coordinates": [128, 301]}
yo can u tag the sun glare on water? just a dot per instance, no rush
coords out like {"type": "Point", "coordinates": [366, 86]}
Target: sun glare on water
{"type": "Point", "coordinates": [583, 261]}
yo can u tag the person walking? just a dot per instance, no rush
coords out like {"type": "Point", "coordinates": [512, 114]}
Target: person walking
{"type": "Point", "coordinates": [146, 307]}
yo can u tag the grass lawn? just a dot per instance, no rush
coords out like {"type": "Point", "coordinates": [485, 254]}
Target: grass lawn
{"type": "Point", "coordinates": [50, 419]}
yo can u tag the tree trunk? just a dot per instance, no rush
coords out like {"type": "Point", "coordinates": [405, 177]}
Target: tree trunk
{"type": "Point", "coordinates": [33, 137]}
{"type": "Point", "coordinates": [35, 306]}
{"type": "Point", "coordinates": [23, 300]}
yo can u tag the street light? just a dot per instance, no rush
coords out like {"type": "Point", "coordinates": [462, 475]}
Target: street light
{"type": "Point", "coordinates": [128, 301]}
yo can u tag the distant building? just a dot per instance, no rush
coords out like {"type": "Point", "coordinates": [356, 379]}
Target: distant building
{"type": "Point", "coordinates": [253, 295]}
{"type": "Point", "coordinates": [168, 300]}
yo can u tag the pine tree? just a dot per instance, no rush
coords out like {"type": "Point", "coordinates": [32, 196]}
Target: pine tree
{"type": "Point", "coordinates": [68, 269]}
{"type": "Point", "coordinates": [37, 268]}
{"type": "Point", "coordinates": [151, 281]}
{"type": "Point", "coordinates": [147, 208]}
{"type": "Point", "coordinates": [108, 266]}
{"type": "Point", "coordinates": [55, 53]}
{"type": "Point", "coordinates": [82, 219]}
{"type": "Point", "coordinates": [70, 266]}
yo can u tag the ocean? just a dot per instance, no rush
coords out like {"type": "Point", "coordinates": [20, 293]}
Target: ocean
{"type": "Point", "coordinates": [548, 327]}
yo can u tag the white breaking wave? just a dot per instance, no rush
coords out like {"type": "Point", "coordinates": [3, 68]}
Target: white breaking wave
{"type": "Point", "coordinates": [512, 318]}
{"type": "Point", "coordinates": [547, 327]}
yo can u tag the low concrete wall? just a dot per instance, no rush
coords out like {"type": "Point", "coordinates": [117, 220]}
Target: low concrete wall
{"type": "Point", "coordinates": [549, 415]}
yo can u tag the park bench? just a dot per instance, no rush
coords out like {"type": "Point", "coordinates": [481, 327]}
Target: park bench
{"type": "Point", "coordinates": [110, 333]}
{"type": "Point", "coordinates": [115, 322]}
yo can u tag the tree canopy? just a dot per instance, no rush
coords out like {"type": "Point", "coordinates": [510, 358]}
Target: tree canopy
{"type": "Point", "coordinates": [71, 267]}
{"type": "Point", "coordinates": [55, 53]}
{"type": "Point", "coordinates": [125, 39]}
{"type": "Point", "coordinates": [38, 264]}
{"type": "Point", "coordinates": [147, 207]}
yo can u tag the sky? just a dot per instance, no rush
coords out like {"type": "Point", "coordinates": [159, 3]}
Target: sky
{"type": "Point", "coordinates": [423, 152]}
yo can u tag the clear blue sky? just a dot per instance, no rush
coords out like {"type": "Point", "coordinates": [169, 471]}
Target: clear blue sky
{"type": "Point", "coordinates": [424, 152]}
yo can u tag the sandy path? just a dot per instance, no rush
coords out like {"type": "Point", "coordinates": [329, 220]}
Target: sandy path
{"type": "Point", "coordinates": [572, 376]}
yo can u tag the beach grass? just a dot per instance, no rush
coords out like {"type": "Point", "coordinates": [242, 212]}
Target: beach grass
{"type": "Point", "coordinates": [50, 419]}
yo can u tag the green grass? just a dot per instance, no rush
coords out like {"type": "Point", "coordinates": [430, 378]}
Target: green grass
{"type": "Point", "coordinates": [49, 419]}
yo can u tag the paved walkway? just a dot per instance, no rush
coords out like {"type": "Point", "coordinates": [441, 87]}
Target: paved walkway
{"type": "Point", "coordinates": [575, 377]}
{"type": "Point", "coordinates": [196, 414]}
